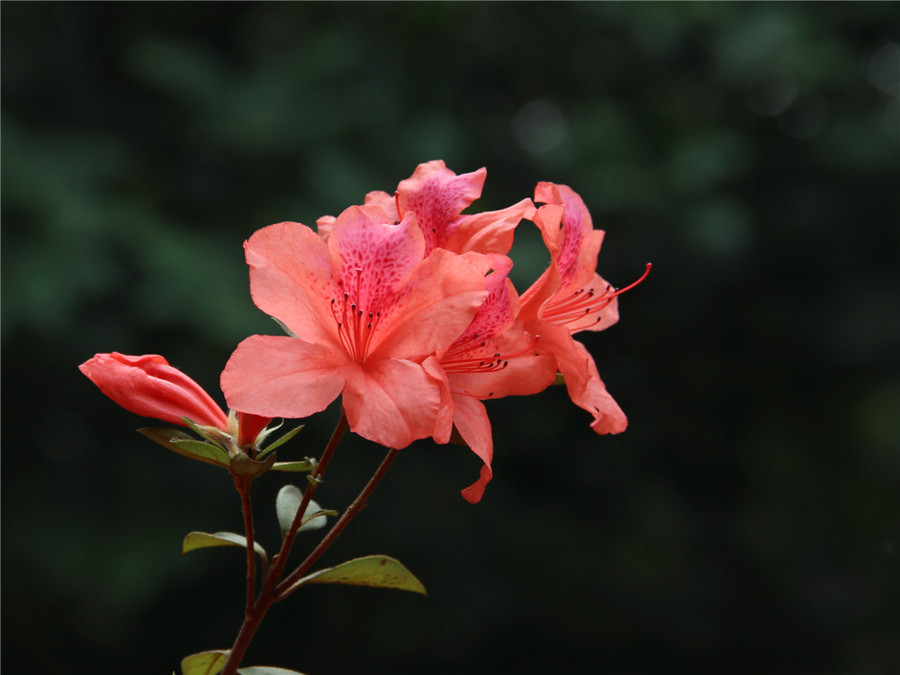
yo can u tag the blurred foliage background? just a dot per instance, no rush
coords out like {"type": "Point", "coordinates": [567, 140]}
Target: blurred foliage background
{"type": "Point", "coordinates": [747, 522]}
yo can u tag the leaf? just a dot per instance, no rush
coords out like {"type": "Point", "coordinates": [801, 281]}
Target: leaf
{"type": "Point", "coordinates": [375, 571]}
{"type": "Point", "coordinates": [180, 442]}
{"type": "Point", "coordinates": [266, 670]}
{"type": "Point", "coordinates": [300, 465]}
{"type": "Point", "coordinates": [286, 504]}
{"type": "Point", "coordinates": [280, 441]}
{"type": "Point", "coordinates": [205, 663]}
{"type": "Point", "coordinates": [197, 540]}
{"type": "Point", "coordinates": [205, 452]}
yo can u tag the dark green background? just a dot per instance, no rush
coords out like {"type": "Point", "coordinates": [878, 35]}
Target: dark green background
{"type": "Point", "coordinates": [749, 519]}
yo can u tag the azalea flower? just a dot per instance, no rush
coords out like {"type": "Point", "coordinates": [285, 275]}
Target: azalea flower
{"type": "Point", "coordinates": [493, 358]}
{"type": "Point", "coordinates": [148, 386]}
{"type": "Point", "coordinates": [367, 313]}
{"type": "Point", "coordinates": [570, 297]}
{"type": "Point", "coordinates": [437, 196]}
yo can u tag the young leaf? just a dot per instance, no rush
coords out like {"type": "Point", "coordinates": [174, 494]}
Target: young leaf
{"type": "Point", "coordinates": [205, 452]}
{"type": "Point", "coordinates": [205, 663]}
{"type": "Point", "coordinates": [300, 465]}
{"type": "Point", "coordinates": [280, 441]}
{"type": "Point", "coordinates": [286, 504]}
{"type": "Point", "coordinates": [180, 442]}
{"type": "Point", "coordinates": [198, 540]}
{"type": "Point", "coordinates": [376, 571]}
{"type": "Point", "coordinates": [175, 440]}
{"type": "Point", "coordinates": [266, 670]}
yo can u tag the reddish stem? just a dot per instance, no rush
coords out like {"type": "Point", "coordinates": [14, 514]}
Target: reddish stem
{"type": "Point", "coordinates": [243, 487]}
{"type": "Point", "coordinates": [284, 588]}
{"type": "Point", "coordinates": [268, 595]}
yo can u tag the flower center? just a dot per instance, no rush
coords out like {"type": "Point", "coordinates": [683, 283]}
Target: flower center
{"type": "Point", "coordinates": [355, 325]}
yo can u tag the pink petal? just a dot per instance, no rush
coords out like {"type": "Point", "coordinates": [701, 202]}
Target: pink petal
{"type": "Point", "coordinates": [471, 420]}
{"type": "Point", "coordinates": [444, 294]}
{"type": "Point", "coordinates": [570, 235]}
{"type": "Point", "coordinates": [393, 402]}
{"type": "Point", "coordinates": [386, 202]}
{"type": "Point", "coordinates": [373, 258]}
{"type": "Point", "coordinates": [278, 376]}
{"type": "Point", "coordinates": [583, 383]}
{"type": "Point", "coordinates": [290, 279]}
{"type": "Point", "coordinates": [490, 231]}
{"type": "Point", "coordinates": [437, 196]}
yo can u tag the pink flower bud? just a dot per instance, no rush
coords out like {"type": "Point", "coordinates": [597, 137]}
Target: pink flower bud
{"type": "Point", "coordinates": [249, 427]}
{"type": "Point", "coordinates": [148, 386]}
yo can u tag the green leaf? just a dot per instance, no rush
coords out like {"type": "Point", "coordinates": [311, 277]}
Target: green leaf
{"type": "Point", "coordinates": [280, 441]}
{"type": "Point", "coordinates": [266, 670]}
{"type": "Point", "coordinates": [180, 442]}
{"type": "Point", "coordinates": [286, 504]}
{"type": "Point", "coordinates": [205, 663]}
{"type": "Point", "coordinates": [376, 571]}
{"type": "Point", "coordinates": [205, 452]}
{"type": "Point", "coordinates": [198, 540]}
{"type": "Point", "coordinates": [300, 465]}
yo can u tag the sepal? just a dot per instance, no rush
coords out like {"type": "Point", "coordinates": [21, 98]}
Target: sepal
{"type": "Point", "coordinates": [242, 465]}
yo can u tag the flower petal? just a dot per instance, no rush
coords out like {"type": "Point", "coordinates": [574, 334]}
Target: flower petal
{"type": "Point", "coordinates": [393, 402]}
{"type": "Point", "coordinates": [445, 292]}
{"type": "Point", "coordinates": [278, 376]}
{"type": "Point", "coordinates": [290, 279]}
{"type": "Point", "coordinates": [373, 258]}
{"type": "Point", "coordinates": [437, 196]}
{"type": "Point", "coordinates": [489, 231]}
{"type": "Point", "coordinates": [471, 420]}
{"type": "Point", "coordinates": [585, 388]}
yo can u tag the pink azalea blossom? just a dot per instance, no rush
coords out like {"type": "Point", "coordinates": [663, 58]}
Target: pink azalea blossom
{"type": "Point", "coordinates": [570, 297]}
{"type": "Point", "coordinates": [368, 314]}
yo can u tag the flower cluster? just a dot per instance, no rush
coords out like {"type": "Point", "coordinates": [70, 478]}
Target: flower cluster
{"type": "Point", "coordinates": [403, 307]}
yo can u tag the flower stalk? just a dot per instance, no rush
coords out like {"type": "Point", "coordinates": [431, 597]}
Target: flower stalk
{"type": "Point", "coordinates": [269, 593]}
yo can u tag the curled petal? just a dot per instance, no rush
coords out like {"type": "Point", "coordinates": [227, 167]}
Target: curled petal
{"type": "Point", "coordinates": [583, 383]}
{"type": "Point", "coordinates": [471, 420]}
{"type": "Point", "coordinates": [489, 231]}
